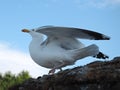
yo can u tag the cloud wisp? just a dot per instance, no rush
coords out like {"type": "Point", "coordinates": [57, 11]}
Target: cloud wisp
{"type": "Point", "coordinates": [97, 3]}
{"type": "Point", "coordinates": [15, 61]}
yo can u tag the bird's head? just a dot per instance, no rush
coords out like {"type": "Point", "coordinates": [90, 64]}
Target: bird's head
{"type": "Point", "coordinates": [32, 32]}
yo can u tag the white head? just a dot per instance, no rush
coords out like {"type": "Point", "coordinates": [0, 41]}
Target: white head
{"type": "Point", "coordinates": [33, 33]}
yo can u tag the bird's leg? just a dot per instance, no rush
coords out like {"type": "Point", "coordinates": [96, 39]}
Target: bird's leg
{"type": "Point", "coordinates": [52, 71]}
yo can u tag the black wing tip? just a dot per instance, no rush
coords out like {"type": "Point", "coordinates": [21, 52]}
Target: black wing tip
{"type": "Point", "coordinates": [102, 37]}
{"type": "Point", "coordinates": [105, 37]}
{"type": "Point", "coordinates": [100, 55]}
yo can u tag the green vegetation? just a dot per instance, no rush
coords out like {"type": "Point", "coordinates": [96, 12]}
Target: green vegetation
{"type": "Point", "coordinates": [8, 79]}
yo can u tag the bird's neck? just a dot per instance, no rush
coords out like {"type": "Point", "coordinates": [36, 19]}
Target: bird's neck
{"type": "Point", "coordinates": [37, 41]}
{"type": "Point", "coordinates": [35, 45]}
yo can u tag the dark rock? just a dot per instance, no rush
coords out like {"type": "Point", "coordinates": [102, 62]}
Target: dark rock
{"type": "Point", "coordinates": [98, 75]}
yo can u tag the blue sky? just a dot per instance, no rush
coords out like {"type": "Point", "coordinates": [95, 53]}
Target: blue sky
{"type": "Point", "coordinates": [101, 16]}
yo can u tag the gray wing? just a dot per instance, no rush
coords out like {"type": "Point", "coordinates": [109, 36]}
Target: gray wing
{"type": "Point", "coordinates": [71, 32]}
{"type": "Point", "coordinates": [64, 42]}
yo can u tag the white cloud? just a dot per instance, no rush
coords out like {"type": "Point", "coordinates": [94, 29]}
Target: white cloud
{"type": "Point", "coordinates": [114, 1]}
{"type": "Point", "coordinates": [107, 3]}
{"type": "Point", "coordinates": [15, 61]}
{"type": "Point", "coordinates": [97, 3]}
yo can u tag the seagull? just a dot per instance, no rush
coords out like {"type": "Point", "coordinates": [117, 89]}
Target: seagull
{"type": "Point", "coordinates": [61, 46]}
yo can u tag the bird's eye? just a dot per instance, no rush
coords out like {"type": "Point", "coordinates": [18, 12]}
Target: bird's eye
{"type": "Point", "coordinates": [33, 30]}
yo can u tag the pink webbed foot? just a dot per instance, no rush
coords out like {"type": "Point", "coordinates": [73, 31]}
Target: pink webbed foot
{"type": "Point", "coordinates": [52, 71]}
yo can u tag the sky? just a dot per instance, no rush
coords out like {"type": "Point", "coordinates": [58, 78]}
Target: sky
{"type": "Point", "coordinates": [98, 15]}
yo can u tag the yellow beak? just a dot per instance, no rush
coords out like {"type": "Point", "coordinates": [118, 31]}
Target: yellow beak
{"type": "Point", "coordinates": [25, 30]}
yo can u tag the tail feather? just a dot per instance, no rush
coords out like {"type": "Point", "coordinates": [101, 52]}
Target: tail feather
{"type": "Point", "coordinates": [91, 50]}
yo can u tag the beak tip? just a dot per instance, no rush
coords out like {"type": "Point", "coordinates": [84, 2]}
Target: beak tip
{"type": "Point", "coordinates": [25, 30]}
{"type": "Point", "coordinates": [22, 30]}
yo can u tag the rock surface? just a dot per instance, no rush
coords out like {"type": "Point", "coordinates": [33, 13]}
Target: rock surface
{"type": "Point", "coordinates": [98, 75]}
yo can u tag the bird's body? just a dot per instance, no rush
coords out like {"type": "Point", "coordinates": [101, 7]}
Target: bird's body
{"type": "Point", "coordinates": [51, 53]}
{"type": "Point", "coordinates": [61, 48]}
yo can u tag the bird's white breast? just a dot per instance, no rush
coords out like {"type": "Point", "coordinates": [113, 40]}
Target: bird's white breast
{"type": "Point", "coordinates": [47, 56]}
